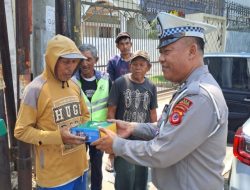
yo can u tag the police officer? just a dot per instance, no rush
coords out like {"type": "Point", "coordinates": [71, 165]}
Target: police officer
{"type": "Point", "coordinates": [187, 149]}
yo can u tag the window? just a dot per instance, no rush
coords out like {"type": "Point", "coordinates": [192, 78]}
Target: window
{"type": "Point", "coordinates": [117, 31]}
{"type": "Point", "coordinates": [240, 77]}
{"type": "Point", "coordinates": [105, 32]}
{"type": "Point", "coordinates": [230, 72]}
{"type": "Point", "coordinates": [214, 66]}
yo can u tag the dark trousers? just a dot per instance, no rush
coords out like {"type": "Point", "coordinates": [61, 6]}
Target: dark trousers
{"type": "Point", "coordinates": [129, 176]}
{"type": "Point", "coordinates": [96, 167]}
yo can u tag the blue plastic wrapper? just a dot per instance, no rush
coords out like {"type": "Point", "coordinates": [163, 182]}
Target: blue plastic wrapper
{"type": "Point", "coordinates": [91, 135]}
{"type": "Point", "coordinates": [90, 130]}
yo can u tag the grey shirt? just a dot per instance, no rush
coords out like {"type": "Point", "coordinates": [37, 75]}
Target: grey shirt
{"type": "Point", "coordinates": [181, 152]}
{"type": "Point", "coordinates": [133, 101]}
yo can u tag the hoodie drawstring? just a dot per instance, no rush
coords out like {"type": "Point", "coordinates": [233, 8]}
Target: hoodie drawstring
{"type": "Point", "coordinates": [66, 83]}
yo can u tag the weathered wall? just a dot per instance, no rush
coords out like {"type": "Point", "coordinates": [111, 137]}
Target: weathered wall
{"type": "Point", "coordinates": [43, 30]}
{"type": "Point", "coordinates": [215, 41]}
{"type": "Point", "coordinates": [237, 41]}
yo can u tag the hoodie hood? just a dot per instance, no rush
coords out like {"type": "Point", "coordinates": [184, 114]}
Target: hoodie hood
{"type": "Point", "coordinates": [59, 46]}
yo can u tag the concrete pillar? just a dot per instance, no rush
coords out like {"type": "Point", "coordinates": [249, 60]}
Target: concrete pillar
{"type": "Point", "coordinates": [43, 12]}
{"type": "Point", "coordinates": [123, 22]}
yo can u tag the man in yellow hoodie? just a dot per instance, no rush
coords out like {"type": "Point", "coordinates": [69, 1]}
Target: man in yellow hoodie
{"type": "Point", "coordinates": [51, 105]}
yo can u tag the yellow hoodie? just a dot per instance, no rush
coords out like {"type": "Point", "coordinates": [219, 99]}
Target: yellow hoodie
{"type": "Point", "coordinates": [46, 106]}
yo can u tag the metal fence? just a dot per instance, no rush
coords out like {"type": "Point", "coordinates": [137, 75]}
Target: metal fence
{"type": "Point", "coordinates": [102, 20]}
{"type": "Point", "coordinates": [214, 7]}
{"type": "Point", "coordinates": [238, 17]}
{"type": "Point", "coordinates": [238, 26]}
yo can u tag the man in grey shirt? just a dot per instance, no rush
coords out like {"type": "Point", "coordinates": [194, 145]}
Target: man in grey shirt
{"type": "Point", "coordinates": [187, 148]}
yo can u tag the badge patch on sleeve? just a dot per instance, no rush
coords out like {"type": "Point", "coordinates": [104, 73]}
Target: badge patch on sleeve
{"type": "Point", "coordinates": [175, 117]}
{"type": "Point", "coordinates": [179, 110]}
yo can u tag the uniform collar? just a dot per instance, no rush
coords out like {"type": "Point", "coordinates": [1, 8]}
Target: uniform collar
{"type": "Point", "coordinates": [194, 76]}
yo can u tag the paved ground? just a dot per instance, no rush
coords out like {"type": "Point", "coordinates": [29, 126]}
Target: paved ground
{"type": "Point", "coordinates": [108, 178]}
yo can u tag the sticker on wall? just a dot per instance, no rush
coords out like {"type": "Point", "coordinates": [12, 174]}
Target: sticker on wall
{"type": "Point", "coordinates": [2, 83]}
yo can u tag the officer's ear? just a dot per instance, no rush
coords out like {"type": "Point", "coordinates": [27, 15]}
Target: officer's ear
{"type": "Point", "coordinates": [193, 49]}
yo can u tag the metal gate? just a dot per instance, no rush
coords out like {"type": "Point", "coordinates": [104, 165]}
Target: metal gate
{"type": "Point", "coordinates": [102, 20]}
{"type": "Point", "coordinates": [238, 17]}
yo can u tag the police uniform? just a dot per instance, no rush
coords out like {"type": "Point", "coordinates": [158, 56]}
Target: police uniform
{"type": "Point", "coordinates": [187, 149]}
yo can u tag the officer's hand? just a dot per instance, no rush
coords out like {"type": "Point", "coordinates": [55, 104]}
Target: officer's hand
{"type": "Point", "coordinates": [68, 138]}
{"type": "Point", "coordinates": [124, 129]}
{"type": "Point", "coordinates": [105, 143]}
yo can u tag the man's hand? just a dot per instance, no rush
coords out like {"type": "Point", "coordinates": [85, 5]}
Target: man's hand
{"type": "Point", "coordinates": [124, 129]}
{"type": "Point", "coordinates": [68, 138]}
{"type": "Point", "coordinates": [105, 143]}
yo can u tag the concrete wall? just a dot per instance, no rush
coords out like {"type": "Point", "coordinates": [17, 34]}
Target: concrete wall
{"type": "Point", "coordinates": [215, 41]}
{"type": "Point", "coordinates": [237, 41]}
{"type": "Point", "coordinates": [43, 29]}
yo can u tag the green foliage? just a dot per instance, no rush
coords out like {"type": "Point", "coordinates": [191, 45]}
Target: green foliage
{"type": "Point", "coordinates": [157, 79]}
{"type": "Point", "coordinates": [153, 33]}
{"type": "Point", "coordinates": [160, 81]}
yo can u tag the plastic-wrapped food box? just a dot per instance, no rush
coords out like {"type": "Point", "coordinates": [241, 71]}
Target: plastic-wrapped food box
{"type": "Point", "coordinates": [90, 129]}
